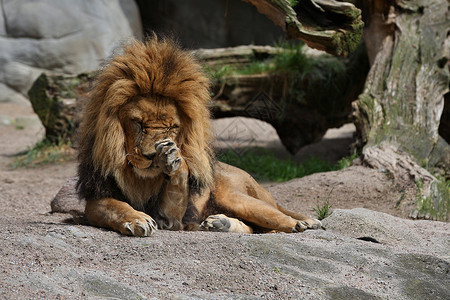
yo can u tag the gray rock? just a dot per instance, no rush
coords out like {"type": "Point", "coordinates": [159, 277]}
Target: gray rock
{"type": "Point", "coordinates": [363, 254]}
{"type": "Point", "coordinates": [61, 36]}
{"type": "Point", "coordinates": [66, 200]}
{"type": "Point", "coordinates": [50, 259]}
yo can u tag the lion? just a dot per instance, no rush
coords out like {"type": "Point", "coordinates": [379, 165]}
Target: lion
{"type": "Point", "coordinates": [146, 159]}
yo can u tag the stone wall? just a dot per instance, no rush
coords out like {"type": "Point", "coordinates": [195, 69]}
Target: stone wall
{"type": "Point", "coordinates": [73, 37]}
{"type": "Point", "coordinates": [61, 36]}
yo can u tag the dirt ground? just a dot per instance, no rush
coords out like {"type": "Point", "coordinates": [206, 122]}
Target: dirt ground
{"type": "Point", "coordinates": [44, 256]}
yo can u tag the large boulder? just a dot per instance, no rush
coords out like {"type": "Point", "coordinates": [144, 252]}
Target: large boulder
{"type": "Point", "coordinates": [62, 36]}
{"type": "Point", "coordinates": [363, 254]}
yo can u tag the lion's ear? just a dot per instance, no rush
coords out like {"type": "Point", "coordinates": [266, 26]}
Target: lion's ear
{"type": "Point", "coordinates": [109, 146]}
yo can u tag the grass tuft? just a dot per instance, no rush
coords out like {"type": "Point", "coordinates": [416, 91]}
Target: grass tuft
{"type": "Point", "coordinates": [347, 161]}
{"type": "Point", "coordinates": [324, 210]}
{"type": "Point", "coordinates": [290, 59]}
{"type": "Point", "coordinates": [44, 152]}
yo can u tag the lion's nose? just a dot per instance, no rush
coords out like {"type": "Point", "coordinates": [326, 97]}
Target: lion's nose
{"type": "Point", "coordinates": [150, 156]}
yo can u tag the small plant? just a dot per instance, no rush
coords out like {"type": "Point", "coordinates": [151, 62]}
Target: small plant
{"type": "Point", "coordinates": [44, 152]}
{"type": "Point", "coordinates": [291, 59]}
{"type": "Point", "coordinates": [347, 161]}
{"type": "Point", "coordinates": [325, 210]}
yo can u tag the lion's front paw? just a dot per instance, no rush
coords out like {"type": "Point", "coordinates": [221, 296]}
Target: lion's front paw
{"type": "Point", "coordinates": [217, 223]}
{"type": "Point", "coordinates": [307, 224]}
{"type": "Point", "coordinates": [138, 224]}
{"type": "Point", "coordinates": [169, 157]}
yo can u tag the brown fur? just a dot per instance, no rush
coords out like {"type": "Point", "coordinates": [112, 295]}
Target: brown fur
{"type": "Point", "coordinates": [146, 157]}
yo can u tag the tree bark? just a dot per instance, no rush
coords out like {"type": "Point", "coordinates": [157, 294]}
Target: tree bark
{"type": "Point", "coordinates": [58, 100]}
{"type": "Point", "coordinates": [399, 112]}
{"type": "Point", "coordinates": [328, 25]}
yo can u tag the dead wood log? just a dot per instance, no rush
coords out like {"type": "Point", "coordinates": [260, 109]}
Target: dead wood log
{"type": "Point", "coordinates": [328, 25]}
{"type": "Point", "coordinates": [300, 105]}
{"type": "Point", "coordinates": [58, 100]}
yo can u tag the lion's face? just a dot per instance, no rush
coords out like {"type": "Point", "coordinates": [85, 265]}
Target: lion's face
{"type": "Point", "coordinates": [148, 92]}
{"type": "Point", "coordinates": [145, 121]}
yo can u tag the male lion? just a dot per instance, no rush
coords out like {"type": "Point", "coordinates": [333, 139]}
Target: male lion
{"type": "Point", "coordinates": [145, 152]}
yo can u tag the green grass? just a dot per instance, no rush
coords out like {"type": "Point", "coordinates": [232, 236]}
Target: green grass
{"type": "Point", "coordinates": [290, 59]}
{"type": "Point", "coordinates": [347, 161]}
{"type": "Point", "coordinates": [324, 210]}
{"type": "Point", "coordinates": [293, 3]}
{"type": "Point", "coordinates": [327, 73]}
{"type": "Point", "coordinates": [264, 165]}
{"type": "Point", "coordinates": [44, 152]}
{"type": "Point", "coordinates": [219, 72]}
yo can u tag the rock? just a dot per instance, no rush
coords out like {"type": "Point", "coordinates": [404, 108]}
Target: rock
{"type": "Point", "coordinates": [361, 187]}
{"type": "Point", "coordinates": [62, 36]}
{"type": "Point", "coordinates": [66, 261]}
{"type": "Point", "coordinates": [382, 227]}
{"type": "Point", "coordinates": [363, 254]}
{"type": "Point", "coordinates": [66, 200]}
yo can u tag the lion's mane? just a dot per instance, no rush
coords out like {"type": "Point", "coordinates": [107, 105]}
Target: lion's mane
{"type": "Point", "coordinates": [154, 67]}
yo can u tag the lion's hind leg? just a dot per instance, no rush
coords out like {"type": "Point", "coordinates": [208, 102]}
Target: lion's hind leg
{"type": "Point", "coordinates": [264, 215]}
{"type": "Point", "coordinates": [306, 222]}
{"type": "Point", "coordinates": [223, 223]}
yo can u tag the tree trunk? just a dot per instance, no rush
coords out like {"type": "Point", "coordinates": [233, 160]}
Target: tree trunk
{"type": "Point", "coordinates": [399, 112]}
{"type": "Point", "coordinates": [58, 100]}
{"type": "Point", "coordinates": [398, 115]}
{"type": "Point", "coordinates": [328, 25]}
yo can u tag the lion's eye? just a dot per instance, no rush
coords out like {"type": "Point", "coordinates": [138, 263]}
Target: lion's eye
{"type": "Point", "coordinates": [139, 126]}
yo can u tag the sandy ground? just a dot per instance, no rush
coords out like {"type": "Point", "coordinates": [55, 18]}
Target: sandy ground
{"type": "Point", "coordinates": [45, 256]}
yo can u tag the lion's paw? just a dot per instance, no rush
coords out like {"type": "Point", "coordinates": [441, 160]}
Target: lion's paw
{"type": "Point", "coordinates": [217, 223]}
{"type": "Point", "coordinates": [168, 155]}
{"type": "Point", "coordinates": [142, 225]}
{"type": "Point", "coordinates": [307, 224]}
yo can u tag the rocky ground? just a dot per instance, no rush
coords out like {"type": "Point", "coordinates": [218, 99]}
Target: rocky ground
{"type": "Point", "coordinates": [369, 250]}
